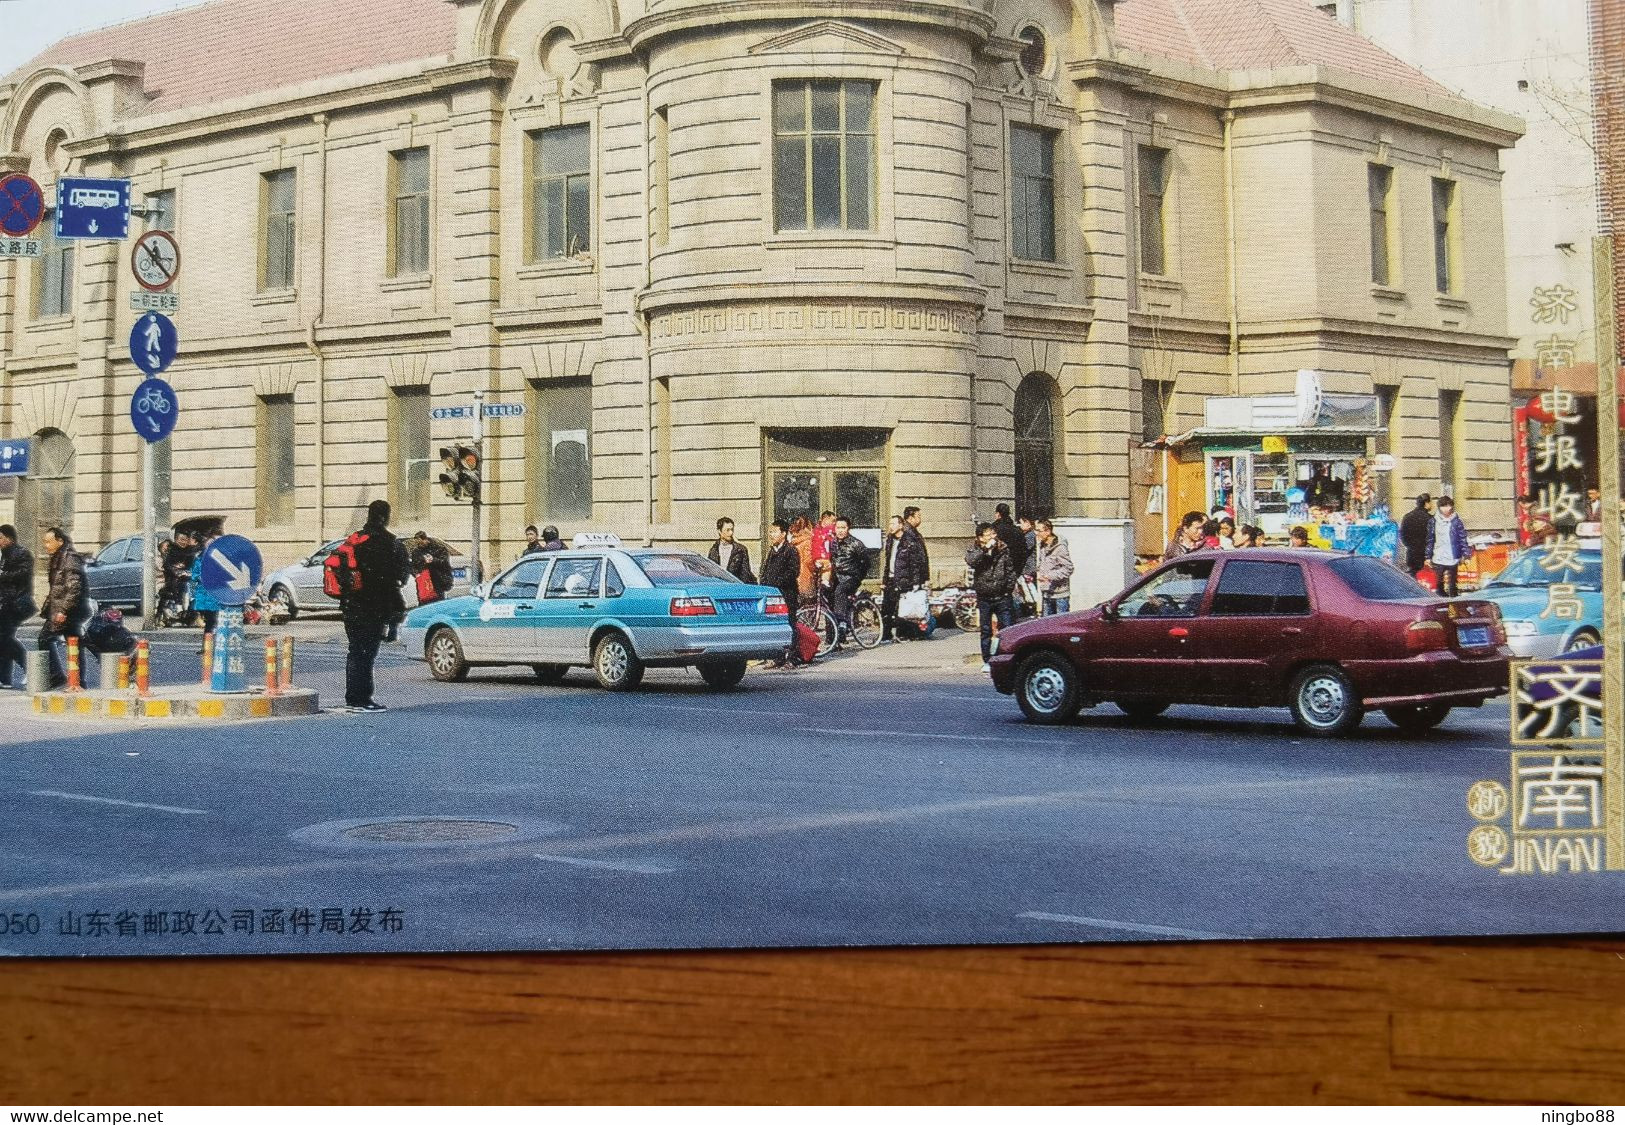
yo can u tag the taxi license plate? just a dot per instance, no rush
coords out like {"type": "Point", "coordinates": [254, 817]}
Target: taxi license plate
{"type": "Point", "coordinates": [1473, 636]}
{"type": "Point", "coordinates": [739, 605]}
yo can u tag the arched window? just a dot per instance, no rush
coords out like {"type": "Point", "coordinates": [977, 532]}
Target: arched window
{"type": "Point", "coordinates": [45, 495]}
{"type": "Point", "coordinates": [1037, 403]}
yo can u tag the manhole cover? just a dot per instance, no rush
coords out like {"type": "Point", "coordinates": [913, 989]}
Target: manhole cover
{"type": "Point", "coordinates": [431, 831]}
{"type": "Point", "coordinates": [419, 831]}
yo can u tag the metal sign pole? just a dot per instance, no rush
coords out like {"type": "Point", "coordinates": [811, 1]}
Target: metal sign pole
{"type": "Point", "coordinates": [1613, 599]}
{"type": "Point", "coordinates": [149, 519]}
{"type": "Point", "coordinates": [479, 493]}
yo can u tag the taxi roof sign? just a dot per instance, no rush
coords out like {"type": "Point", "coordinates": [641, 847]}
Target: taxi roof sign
{"type": "Point", "coordinates": [595, 539]}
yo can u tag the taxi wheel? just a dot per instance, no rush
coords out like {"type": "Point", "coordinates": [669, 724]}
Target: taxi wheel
{"type": "Point", "coordinates": [722, 674]}
{"type": "Point", "coordinates": [445, 656]}
{"type": "Point", "coordinates": [550, 673]}
{"type": "Point", "coordinates": [1047, 688]}
{"type": "Point", "coordinates": [1416, 718]}
{"type": "Point", "coordinates": [1324, 702]}
{"type": "Point", "coordinates": [616, 665]}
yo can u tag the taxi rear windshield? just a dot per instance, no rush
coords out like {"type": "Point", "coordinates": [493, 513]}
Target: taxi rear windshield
{"type": "Point", "coordinates": [1377, 581]}
{"type": "Point", "coordinates": [681, 570]}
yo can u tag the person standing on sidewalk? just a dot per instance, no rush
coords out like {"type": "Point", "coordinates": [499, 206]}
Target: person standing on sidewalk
{"type": "Point", "coordinates": [67, 605]}
{"type": "Point", "coordinates": [781, 569]}
{"type": "Point", "coordinates": [730, 554]}
{"type": "Point", "coordinates": [1447, 546]}
{"type": "Point", "coordinates": [1413, 534]}
{"type": "Point", "coordinates": [429, 556]}
{"type": "Point", "coordinates": [904, 570]}
{"type": "Point", "coordinates": [993, 577]}
{"type": "Point", "coordinates": [371, 606]}
{"type": "Point", "coordinates": [1054, 572]}
{"type": "Point", "coordinates": [202, 601]}
{"type": "Point", "coordinates": [911, 526]}
{"type": "Point", "coordinates": [16, 600]}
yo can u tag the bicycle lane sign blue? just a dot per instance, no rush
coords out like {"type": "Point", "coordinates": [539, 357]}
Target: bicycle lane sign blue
{"type": "Point", "coordinates": [154, 410]}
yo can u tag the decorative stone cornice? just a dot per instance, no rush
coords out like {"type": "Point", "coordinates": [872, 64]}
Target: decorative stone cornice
{"type": "Point", "coordinates": [641, 33]}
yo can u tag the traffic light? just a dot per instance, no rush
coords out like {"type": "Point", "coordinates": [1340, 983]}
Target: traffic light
{"type": "Point", "coordinates": [461, 480]}
{"type": "Point", "coordinates": [448, 479]}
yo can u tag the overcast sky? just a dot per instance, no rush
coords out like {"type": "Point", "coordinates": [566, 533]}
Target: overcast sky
{"type": "Point", "coordinates": [27, 27]}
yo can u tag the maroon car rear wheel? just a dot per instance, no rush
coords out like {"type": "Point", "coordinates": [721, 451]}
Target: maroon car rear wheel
{"type": "Point", "coordinates": [1047, 688]}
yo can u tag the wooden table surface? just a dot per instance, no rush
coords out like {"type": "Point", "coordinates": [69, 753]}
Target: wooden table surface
{"type": "Point", "coordinates": [1465, 1021]}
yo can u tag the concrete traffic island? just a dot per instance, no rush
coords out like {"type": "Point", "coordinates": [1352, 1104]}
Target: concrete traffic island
{"type": "Point", "coordinates": [191, 702]}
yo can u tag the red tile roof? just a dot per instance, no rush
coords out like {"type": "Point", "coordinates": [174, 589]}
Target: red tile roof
{"type": "Point", "coordinates": [1258, 34]}
{"type": "Point", "coordinates": [233, 48]}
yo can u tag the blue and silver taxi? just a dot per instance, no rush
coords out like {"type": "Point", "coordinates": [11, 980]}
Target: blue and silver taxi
{"type": "Point", "coordinates": [613, 609]}
{"type": "Point", "coordinates": [1542, 623]}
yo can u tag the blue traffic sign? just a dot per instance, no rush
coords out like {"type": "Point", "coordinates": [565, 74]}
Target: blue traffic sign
{"type": "Point", "coordinates": [22, 205]}
{"type": "Point", "coordinates": [154, 409]}
{"type": "Point", "coordinates": [231, 569]}
{"type": "Point", "coordinates": [154, 342]}
{"type": "Point", "coordinates": [14, 457]}
{"type": "Point", "coordinates": [92, 208]}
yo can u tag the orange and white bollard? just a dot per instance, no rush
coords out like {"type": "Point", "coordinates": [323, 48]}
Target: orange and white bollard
{"type": "Point", "coordinates": [73, 664]}
{"type": "Point", "coordinates": [143, 668]}
{"type": "Point", "coordinates": [208, 656]}
{"type": "Point", "coordinates": [124, 672]}
{"type": "Point", "coordinates": [272, 677]}
{"type": "Point", "coordinates": [287, 664]}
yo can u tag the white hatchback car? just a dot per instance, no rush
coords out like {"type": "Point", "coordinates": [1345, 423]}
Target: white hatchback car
{"type": "Point", "coordinates": [297, 587]}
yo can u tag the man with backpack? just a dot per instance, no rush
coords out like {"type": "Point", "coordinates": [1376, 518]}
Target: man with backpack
{"type": "Point", "coordinates": [366, 572]}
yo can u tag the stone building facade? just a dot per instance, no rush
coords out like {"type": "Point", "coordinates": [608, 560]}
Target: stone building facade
{"type": "Point", "coordinates": [752, 259]}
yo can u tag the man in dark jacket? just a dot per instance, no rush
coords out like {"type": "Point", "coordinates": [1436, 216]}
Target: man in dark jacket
{"type": "Point", "coordinates": [781, 569]}
{"type": "Point", "coordinates": [430, 555]}
{"type": "Point", "coordinates": [911, 529]}
{"type": "Point", "coordinates": [67, 605]}
{"type": "Point", "coordinates": [730, 554]}
{"type": "Point", "coordinates": [993, 577]}
{"type": "Point", "coordinates": [1014, 540]}
{"type": "Point", "coordinates": [849, 561]}
{"type": "Point", "coordinates": [1413, 533]}
{"type": "Point", "coordinates": [377, 606]}
{"type": "Point", "coordinates": [16, 599]}
{"type": "Point", "coordinates": [902, 569]}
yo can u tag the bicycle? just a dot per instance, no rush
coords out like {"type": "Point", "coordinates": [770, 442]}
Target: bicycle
{"type": "Point", "coordinates": [865, 629]}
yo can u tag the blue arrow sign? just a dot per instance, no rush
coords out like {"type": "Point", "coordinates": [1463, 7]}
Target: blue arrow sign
{"type": "Point", "coordinates": [231, 569]}
{"type": "Point", "coordinates": [93, 208]}
{"type": "Point", "coordinates": [154, 342]}
{"type": "Point", "coordinates": [14, 457]}
{"type": "Point", "coordinates": [154, 410]}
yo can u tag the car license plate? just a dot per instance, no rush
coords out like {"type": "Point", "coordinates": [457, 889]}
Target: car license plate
{"type": "Point", "coordinates": [1473, 636]}
{"type": "Point", "coordinates": [460, 572]}
{"type": "Point", "coordinates": [740, 605]}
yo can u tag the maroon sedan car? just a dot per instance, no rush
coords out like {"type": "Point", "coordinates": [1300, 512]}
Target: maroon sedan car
{"type": "Point", "coordinates": [1327, 635]}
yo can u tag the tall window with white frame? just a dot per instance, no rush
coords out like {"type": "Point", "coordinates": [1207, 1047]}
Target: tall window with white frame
{"type": "Point", "coordinates": [409, 237]}
{"type": "Point", "coordinates": [161, 210]}
{"type": "Point", "coordinates": [823, 155]}
{"type": "Point", "coordinates": [277, 196]}
{"type": "Point", "coordinates": [1380, 195]}
{"type": "Point", "coordinates": [560, 192]}
{"type": "Point", "coordinates": [1151, 198]}
{"type": "Point", "coordinates": [53, 295]}
{"type": "Point", "coordinates": [1446, 253]}
{"type": "Point", "coordinates": [275, 478]}
{"type": "Point", "coordinates": [409, 460]}
{"type": "Point", "coordinates": [1032, 193]}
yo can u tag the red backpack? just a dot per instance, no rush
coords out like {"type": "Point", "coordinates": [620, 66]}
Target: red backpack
{"type": "Point", "coordinates": [341, 572]}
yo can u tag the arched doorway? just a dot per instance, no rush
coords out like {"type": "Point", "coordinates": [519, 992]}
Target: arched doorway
{"type": "Point", "coordinates": [1037, 403]}
{"type": "Point", "coordinates": [45, 496]}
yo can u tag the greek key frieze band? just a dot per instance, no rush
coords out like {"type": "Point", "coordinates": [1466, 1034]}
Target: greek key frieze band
{"type": "Point", "coordinates": [812, 318]}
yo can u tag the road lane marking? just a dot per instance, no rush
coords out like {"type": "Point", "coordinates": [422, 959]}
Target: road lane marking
{"type": "Point", "coordinates": [111, 801]}
{"type": "Point", "coordinates": [906, 734]}
{"type": "Point", "coordinates": [608, 865]}
{"type": "Point", "coordinates": [1131, 927]}
{"type": "Point", "coordinates": [723, 710]}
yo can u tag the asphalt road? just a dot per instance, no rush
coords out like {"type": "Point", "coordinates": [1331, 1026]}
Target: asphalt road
{"type": "Point", "coordinates": [857, 802]}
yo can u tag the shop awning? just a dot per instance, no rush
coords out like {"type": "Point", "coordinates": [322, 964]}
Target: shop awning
{"type": "Point", "coordinates": [1209, 434]}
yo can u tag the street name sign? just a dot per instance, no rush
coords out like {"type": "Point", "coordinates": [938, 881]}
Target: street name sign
{"type": "Point", "coordinates": [490, 410]}
{"type": "Point", "coordinates": [155, 259]}
{"type": "Point", "coordinates": [231, 569]}
{"type": "Point", "coordinates": [22, 205]}
{"type": "Point", "coordinates": [21, 248]}
{"type": "Point", "coordinates": [93, 209]}
{"type": "Point", "coordinates": [154, 410]}
{"type": "Point", "coordinates": [154, 342]}
{"type": "Point", "coordinates": [14, 457]}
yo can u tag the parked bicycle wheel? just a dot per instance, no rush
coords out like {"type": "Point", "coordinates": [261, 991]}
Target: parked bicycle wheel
{"type": "Point", "coordinates": [820, 621]}
{"type": "Point", "coordinates": [866, 624]}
